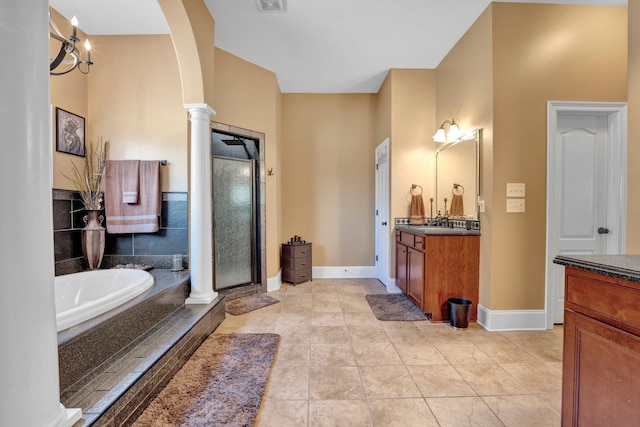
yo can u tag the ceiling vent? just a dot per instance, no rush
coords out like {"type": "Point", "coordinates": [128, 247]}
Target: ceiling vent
{"type": "Point", "coordinates": [272, 5]}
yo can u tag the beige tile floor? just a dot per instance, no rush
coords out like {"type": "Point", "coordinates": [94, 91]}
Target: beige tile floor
{"type": "Point", "coordinates": [337, 365]}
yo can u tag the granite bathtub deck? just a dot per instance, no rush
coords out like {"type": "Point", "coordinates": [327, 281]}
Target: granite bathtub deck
{"type": "Point", "coordinates": [118, 390]}
{"type": "Point", "coordinates": [625, 267]}
{"type": "Point", "coordinates": [86, 346]}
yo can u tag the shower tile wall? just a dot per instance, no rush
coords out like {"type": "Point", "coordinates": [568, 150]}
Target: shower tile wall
{"type": "Point", "coordinates": [172, 238]}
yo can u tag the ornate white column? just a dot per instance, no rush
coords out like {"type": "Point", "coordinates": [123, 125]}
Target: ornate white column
{"type": "Point", "coordinates": [201, 213]}
{"type": "Point", "coordinates": [29, 385]}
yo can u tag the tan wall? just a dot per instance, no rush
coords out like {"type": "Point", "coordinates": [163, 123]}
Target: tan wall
{"type": "Point", "coordinates": [137, 108]}
{"type": "Point", "coordinates": [192, 33]}
{"type": "Point", "coordinates": [328, 175]}
{"type": "Point", "coordinates": [383, 111]}
{"type": "Point", "coordinates": [465, 93]}
{"type": "Point", "coordinates": [541, 53]}
{"type": "Point", "coordinates": [405, 112]}
{"type": "Point", "coordinates": [68, 92]}
{"type": "Point", "coordinates": [633, 167]}
{"type": "Point", "coordinates": [248, 96]}
{"type": "Point", "coordinates": [413, 123]}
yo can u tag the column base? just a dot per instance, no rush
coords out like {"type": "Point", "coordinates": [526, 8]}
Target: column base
{"type": "Point", "coordinates": [201, 299]}
{"type": "Point", "coordinates": [73, 416]}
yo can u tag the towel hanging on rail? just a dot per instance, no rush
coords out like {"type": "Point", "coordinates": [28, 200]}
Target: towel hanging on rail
{"type": "Point", "coordinates": [416, 209]}
{"type": "Point", "coordinates": [457, 204]}
{"type": "Point", "coordinates": [140, 217]}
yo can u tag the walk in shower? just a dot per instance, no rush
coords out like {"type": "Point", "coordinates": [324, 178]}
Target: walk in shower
{"type": "Point", "coordinates": [237, 190]}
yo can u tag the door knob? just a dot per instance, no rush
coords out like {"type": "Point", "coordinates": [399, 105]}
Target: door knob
{"type": "Point", "coordinates": [603, 230]}
{"type": "Point", "coordinates": [384, 223]}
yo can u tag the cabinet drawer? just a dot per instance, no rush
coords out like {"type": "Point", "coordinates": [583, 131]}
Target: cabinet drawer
{"type": "Point", "coordinates": [296, 263]}
{"type": "Point", "coordinates": [608, 301]}
{"type": "Point", "coordinates": [296, 251]}
{"type": "Point", "coordinates": [419, 242]}
{"type": "Point", "coordinates": [407, 238]}
{"type": "Point", "coordinates": [296, 276]}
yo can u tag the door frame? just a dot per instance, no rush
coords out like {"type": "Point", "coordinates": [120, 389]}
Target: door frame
{"type": "Point", "coordinates": [617, 177]}
{"type": "Point", "coordinates": [381, 214]}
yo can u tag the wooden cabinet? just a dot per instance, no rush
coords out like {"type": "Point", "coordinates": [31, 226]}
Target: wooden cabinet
{"type": "Point", "coordinates": [296, 262]}
{"type": "Point", "coordinates": [601, 359]}
{"type": "Point", "coordinates": [430, 269]}
{"type": "Point", "coordinates": [401, 267]}
{"type": "Point", "coordinates": [415, 276]}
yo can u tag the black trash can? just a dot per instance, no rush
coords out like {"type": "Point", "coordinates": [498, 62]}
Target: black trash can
{"type": "Point", "coordinates": [459, 312]}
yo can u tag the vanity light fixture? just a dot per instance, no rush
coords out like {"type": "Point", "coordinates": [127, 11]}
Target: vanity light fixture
{"type": "Point", "coordinates": [68, 48]}
{"type": "Point", "coordinates": [452, 135]}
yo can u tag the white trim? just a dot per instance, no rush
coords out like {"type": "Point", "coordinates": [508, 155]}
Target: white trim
{"type": "Point", "coordinates": [274, 283]}
{"type": "Point", "coordinates": [344, 272]}
{"type": "Point", "coordinates": [201, 299]}
{"type": "Point", "coordinates": [511, 320]}
{"type": "Point", "coordinates": [392, 288]}
{"type": "Point", "coordinates": [617, 112]}
{"type": "Point", "coordinates": [200, 106]}
{"type": "Point", "coordinates": [73, 416]}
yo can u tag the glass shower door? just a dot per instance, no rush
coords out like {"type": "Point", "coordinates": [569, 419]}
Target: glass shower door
{"type": "Point", "coordinates": [233, 221]}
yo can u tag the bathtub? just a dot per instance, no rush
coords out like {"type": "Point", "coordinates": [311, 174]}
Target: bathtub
{"type": "Point", "coordinates": [82, 296]}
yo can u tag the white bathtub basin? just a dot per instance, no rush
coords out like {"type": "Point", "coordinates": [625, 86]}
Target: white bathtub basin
{"type": "Point", "coordinates": [82, 296]}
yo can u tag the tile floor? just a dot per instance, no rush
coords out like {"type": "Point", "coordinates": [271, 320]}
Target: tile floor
{"type": "Point", "coordinates": [339, 366]}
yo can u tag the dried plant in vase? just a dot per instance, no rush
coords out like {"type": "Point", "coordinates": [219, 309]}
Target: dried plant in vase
{"type": "Point", "coordinates": [90, 182]}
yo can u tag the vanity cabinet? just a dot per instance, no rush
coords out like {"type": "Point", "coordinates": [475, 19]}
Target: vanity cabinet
{"type": "Point", "coordinates": [430, 269]}
{"type": "Point", "coordinates": [601, 359]}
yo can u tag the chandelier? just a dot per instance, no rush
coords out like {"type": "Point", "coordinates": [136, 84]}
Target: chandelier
{"type": "Point", "coordinates": [68, 48]}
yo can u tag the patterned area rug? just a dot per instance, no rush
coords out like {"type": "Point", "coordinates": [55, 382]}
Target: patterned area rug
{"type": "Point", "coordinates": [220, 385]}
{"type": "Point", "coordinates": [394, 307]}
{"type": "Point", "coordinates": [249, 303]}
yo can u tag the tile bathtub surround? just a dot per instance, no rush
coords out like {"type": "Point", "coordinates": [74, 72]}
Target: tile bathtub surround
{"type": "Point", "coordinates": [172, 238]}
{"type": "Point", "coordinates": [338, 365]}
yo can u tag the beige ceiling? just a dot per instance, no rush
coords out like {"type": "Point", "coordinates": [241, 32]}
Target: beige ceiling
{"type": "Point", "coordinates": [317, 46]}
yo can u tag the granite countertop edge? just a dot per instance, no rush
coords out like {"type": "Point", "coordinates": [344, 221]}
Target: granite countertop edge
{"type": "Point", "coordinates": [437, 231]}
{"type": "Point", "coordinates": [625, 267]}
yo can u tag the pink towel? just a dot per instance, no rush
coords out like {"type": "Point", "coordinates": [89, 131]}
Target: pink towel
{"type": "Point", "coordinates": [130, 176]}
{"type": "Point", "coordinates": [140, 217]}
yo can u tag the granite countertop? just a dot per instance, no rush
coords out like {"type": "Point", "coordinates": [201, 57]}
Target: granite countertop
{"type": "Point", "coordinates": [437, 231]}
{"type": "Point", "coordinates": [620, 266]}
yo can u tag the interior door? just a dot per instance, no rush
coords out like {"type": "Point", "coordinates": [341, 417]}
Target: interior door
{"type": "Point", "coordinates": [584, 194]}
{"type": "Point", "coordinates": [233, 222]}
{"type": "Point", "coordinates": [382, 235]}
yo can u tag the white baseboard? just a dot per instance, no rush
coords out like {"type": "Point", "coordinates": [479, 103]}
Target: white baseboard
{"type": "Point", "coordinates": [511, 320]}
{"type": "Point", "coordinates": [392, 288]}
{"type": "Point", "coordinates": [344, 272]}
{"type": "Point", "coordinates": [273, 283]}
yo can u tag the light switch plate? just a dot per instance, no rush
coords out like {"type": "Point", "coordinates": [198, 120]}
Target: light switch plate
{"type": "Point", "coordinates": [515, 205]}
{"type": "Point", "coordinates": [515, 189]}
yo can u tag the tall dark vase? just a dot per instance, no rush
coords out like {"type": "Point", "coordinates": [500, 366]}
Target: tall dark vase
{"type": "Point", "coordinates": [93, 237]}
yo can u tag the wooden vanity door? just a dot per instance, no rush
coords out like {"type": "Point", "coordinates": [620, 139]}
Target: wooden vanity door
{"type": "Point", "coordinates": [415, 279]}
{"type": "Point", "coordinates": [600, 374]}
{"type": "Point", "coordinates": [401, 267]}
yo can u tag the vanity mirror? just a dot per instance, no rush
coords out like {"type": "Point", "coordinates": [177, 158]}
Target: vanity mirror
{"type": "Point", "coordinates": [458, 177]}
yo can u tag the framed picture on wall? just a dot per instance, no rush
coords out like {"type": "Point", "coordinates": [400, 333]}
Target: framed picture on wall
{"type": "Point", "coordinates": [70, 133]}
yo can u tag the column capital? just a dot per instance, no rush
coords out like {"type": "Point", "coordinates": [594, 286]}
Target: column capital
{"type": "Point", "coordinates": [200, 108]}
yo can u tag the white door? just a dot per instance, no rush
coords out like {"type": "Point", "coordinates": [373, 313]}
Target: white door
{"type": "Point", "coordinates": [586, 182]}
{"type": "Point", "coordinates": [382, 213]}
